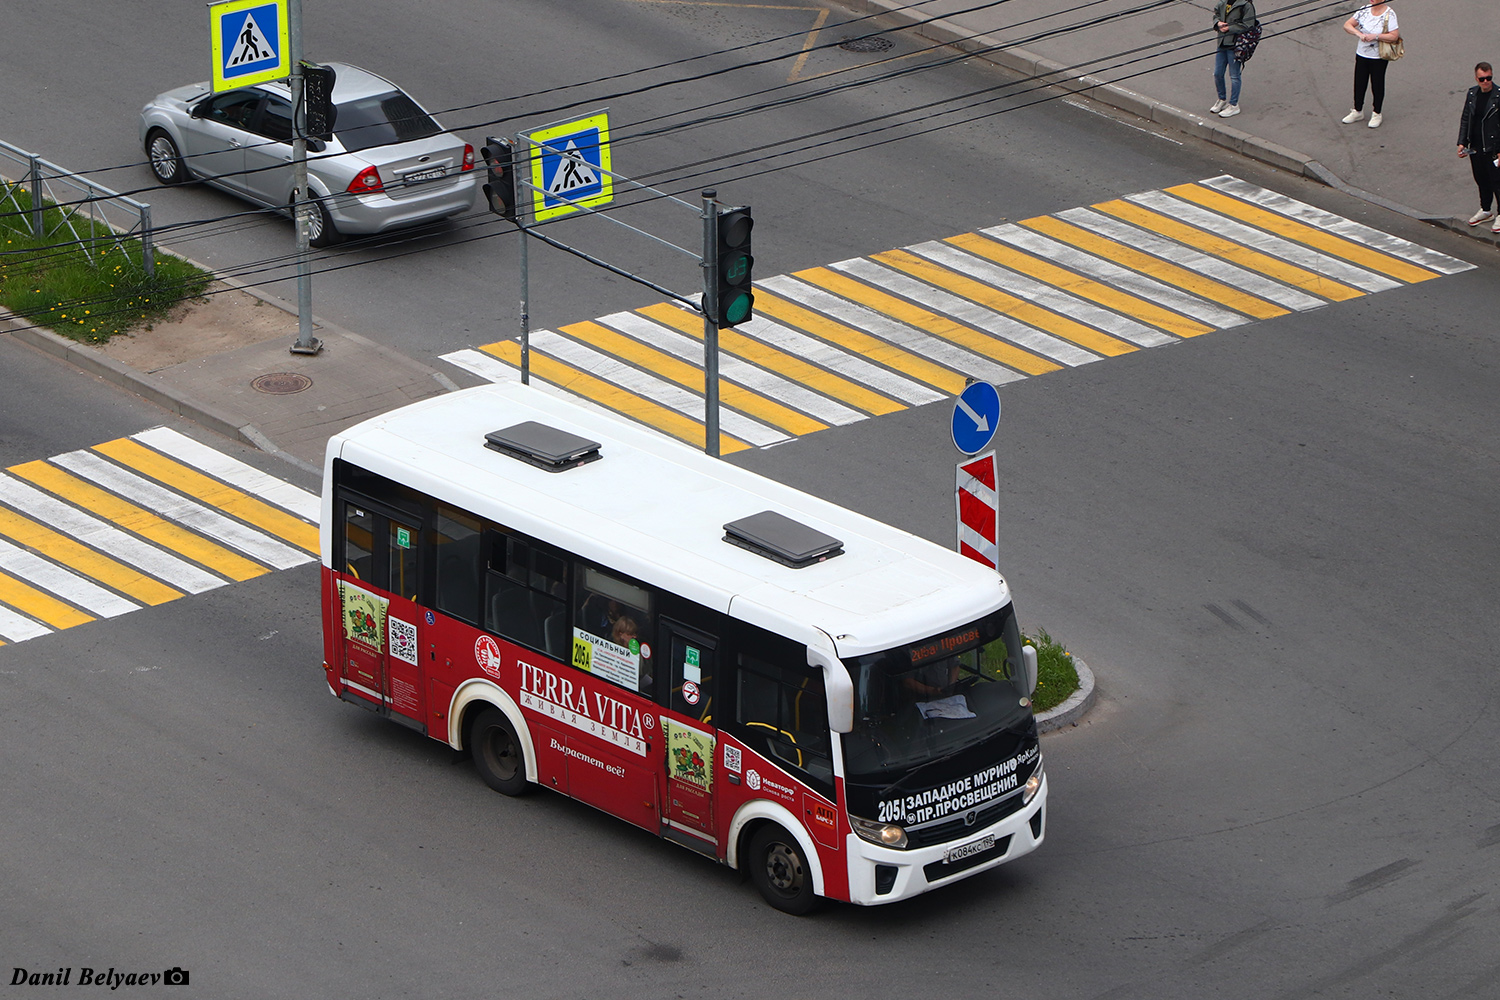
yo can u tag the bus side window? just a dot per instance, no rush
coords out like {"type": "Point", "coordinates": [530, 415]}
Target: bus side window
{"type": "Point", "coordinates": [455, 551]}
{"type": "Point", "coordinates": [359, 543]}
{"type": "Point", "coordinates": [623, 614]}
{"type": "Point", "coordinates": [782, 712]}
{"type": "Point", "coordinates": [523, 590]}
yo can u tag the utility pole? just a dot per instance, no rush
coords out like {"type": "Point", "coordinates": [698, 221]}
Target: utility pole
{"type": "Point", "coordinates": [306, 342]}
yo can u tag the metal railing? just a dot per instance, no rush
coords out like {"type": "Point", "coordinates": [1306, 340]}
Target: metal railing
{"type": "Point", "coordinates": [97, 219]}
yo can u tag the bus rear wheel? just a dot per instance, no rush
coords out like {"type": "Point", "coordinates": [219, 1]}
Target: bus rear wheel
{"type": "Point", "coordinates": [498, 755]}
{"type": "Point", "coordinates": [780, 871]}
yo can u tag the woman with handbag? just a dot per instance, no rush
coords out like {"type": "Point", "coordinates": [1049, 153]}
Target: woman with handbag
{"type": "Point", "coordinates": [1232, 18]}
{"type": "Point", "coordinates": [1379, 36]}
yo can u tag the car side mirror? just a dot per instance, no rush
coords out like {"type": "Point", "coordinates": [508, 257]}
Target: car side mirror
{"type": "Point", "coordinates": [1028, 655]}
{"type": "Point", "coordinates": [316, 145]}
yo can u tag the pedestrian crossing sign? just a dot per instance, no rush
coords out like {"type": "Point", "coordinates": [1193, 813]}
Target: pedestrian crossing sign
{"type": "Point", "coordinates": [570, 169]}
{"type": "Point", "coordinates": [250, 41]}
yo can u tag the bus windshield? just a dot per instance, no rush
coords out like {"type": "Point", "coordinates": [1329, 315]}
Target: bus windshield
{"type": "Point", "coordinates": [930, 699]}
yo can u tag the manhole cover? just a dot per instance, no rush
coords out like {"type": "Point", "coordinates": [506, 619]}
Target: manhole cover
{"type": "Point", "coordinates": [869, 43]}
{"type": "Point", "coordinates": [281, 383]}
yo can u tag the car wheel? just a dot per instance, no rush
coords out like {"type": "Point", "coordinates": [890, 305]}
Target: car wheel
{"type": "Point", "coordinates": [780, 872]}
{"type": "Point", "coordinates": [321, 232]}
{"type": "Point", "coordinates": [166, 160]}
{"type": "Point", "coordinates": [498, 756]}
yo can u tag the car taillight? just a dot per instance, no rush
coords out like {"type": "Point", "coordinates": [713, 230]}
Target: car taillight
{"type": "Point", "coordinates": [367, 182]}
{"type": "Point", "coordinates": [468, 157]}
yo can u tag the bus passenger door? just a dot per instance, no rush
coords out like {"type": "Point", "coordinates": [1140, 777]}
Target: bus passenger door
{"type": "Point", "coordinates": [362, 608]}
{"type": "Point", "coordinates": [689, 735]}
{"type": "Point", "coordinates": [403, 689]}
{"type": "Point", "coordinates": [380, 620]}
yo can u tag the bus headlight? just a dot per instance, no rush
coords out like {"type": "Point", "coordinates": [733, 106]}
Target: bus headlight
{"type": "Point", "coordinates": [1033, 785]}
{"type": "Point", "coordinates": [884, 834]}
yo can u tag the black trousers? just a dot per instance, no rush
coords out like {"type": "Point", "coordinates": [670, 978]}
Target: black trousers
{"type": "Point", "coordinates": [1371, 72]}
{"type": "Point", "coordinates": [1487, 176]}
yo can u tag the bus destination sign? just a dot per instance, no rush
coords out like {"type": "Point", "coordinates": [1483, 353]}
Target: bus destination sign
{"type": "Point", "coordinates": [960, 795]}
{"type": "Point", "coordinates": [946, 645]}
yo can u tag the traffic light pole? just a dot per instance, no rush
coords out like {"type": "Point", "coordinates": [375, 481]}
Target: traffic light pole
{"type": "Point", "coordinates": [726, 260]}
{"type": "Point", "coordinates": [525, 306]}
{"type": "Point", "coordinates": [306, 342]}
{"type": "Point", "coordinates": [710, 325]}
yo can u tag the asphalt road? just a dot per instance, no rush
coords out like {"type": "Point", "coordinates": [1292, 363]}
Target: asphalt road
{"type": "Point", "coordinates": [1274, 544]}
{"type": "Point", "coordinates": [459, 286]}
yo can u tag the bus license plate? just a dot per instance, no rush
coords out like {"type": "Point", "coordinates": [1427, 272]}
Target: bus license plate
{"type": "Point", "coordinates": [426, 175]}
{"type": "Point", "coordinates": [968, 850]}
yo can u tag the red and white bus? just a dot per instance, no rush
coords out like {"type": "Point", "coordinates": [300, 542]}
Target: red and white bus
{"type": "Point", "coordinates": [838, 707]}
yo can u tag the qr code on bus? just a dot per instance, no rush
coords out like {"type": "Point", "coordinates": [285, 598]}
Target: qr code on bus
{"type": "Point", "coordinates": [403, 640]}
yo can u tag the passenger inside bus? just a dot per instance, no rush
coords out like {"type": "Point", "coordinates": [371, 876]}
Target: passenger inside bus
{"type": "Point", "coordinates": [618, 611]}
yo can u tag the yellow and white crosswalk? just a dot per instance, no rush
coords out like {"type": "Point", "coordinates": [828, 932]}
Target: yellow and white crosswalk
{"type": "Point", "coordinates": [873, 335]}
{"type": "Point", "coordinates": [139, 521]}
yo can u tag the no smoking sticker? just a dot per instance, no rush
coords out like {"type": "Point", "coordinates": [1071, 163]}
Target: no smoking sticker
{"type": "Point", "coordinates": [690, 692]}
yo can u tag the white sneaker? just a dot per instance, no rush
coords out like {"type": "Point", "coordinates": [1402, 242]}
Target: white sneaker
{"type": "Point", "coordinates": [1496, 227]}
{"type": "Point", "coordinates": [1230, 111]}
{"type": "Point", "coordinates": [1483, 215]}
{"type": "Point", "coordinates": [1218, 106]}
{"type": "Point", "coordinates": [1353, 116]}
{"type": "Point", "coordinates": [1376, 119]}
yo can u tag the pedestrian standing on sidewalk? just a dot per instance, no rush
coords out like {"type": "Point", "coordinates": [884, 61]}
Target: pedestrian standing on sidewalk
{"type": "Point", "coordinates": [1232, 18]}
{"type": "Point", "coordinates": [1479, 140]}
{"type": "Point", "coordinates": [1371, 25]}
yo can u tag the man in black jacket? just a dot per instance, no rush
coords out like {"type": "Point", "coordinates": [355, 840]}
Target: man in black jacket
{"type": "Point", "coordinates": [1479, 140]}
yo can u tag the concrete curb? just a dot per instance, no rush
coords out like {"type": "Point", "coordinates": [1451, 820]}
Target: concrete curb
{"type": "Point", "coordinates": [86, 359]}
{"type": "Point", "coordinates": [1075, 707]}
{"type": "Point", "coordinates": [1040, 68]}
{"type": "Point", "coordinates": [174, 399]}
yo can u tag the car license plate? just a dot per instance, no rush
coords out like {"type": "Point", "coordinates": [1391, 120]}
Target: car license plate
{"type": "Point", "coordinates": [425, 175]}
{"type": "Point", "coordinates": [968, 850]}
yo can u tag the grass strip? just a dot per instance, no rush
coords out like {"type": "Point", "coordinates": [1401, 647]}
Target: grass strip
{"type": "Point", "coordinates": [1056, 677]}
{"type": "Point", "coordinates": [88, 290]}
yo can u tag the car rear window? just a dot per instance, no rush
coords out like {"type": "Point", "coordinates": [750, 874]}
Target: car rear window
{"type": "Point", "coordinates": [381, 120]}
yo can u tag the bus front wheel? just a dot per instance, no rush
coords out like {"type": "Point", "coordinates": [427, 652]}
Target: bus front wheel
{"type": "Point", "coordinates": [780, 871]}
{"type": "Point", "coordinates": [498, 756]}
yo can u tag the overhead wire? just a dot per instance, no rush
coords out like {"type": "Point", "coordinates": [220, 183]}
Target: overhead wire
{"type": "Point", "coordinates": [557, 109]}
{"type": "Point", "coordinates": [268, 265]}
{"type": "Point", "coordinates": [741, 66]}
{"type": "Point", "coordinates": [737, 67]}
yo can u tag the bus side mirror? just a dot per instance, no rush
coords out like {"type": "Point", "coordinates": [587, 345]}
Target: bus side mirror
{"type": "Point", "coordinates": [837, 688]}
{"type": "Point", "coordinates": [1028, 654]}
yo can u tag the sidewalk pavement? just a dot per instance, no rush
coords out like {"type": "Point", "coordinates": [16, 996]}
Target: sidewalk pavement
{"type": "Point", "coordinates": [253, 393]}
{"type": "Point", "coordinates": [1296, 88]}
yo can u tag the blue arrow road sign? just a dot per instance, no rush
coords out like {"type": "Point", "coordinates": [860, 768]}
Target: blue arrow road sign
{"type": "Point", "coordinates": [975, 414]}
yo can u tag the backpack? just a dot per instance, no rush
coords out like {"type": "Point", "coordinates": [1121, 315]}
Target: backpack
{"type": "Point", "coordinates": [1245, 43]}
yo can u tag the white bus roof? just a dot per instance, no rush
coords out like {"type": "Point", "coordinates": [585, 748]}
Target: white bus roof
{"type": "Point", "coordinates": [655, 509]}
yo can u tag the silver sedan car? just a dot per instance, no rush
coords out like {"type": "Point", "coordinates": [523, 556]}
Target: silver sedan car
{"type": "Point", "coordinates": [388, 165]}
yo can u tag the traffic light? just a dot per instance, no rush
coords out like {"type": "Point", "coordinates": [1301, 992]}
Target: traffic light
{"type": "Point", "coordinates": [499, 157]}
{"type": "Point", "coordinates": [735, 297]}
{"type": "Point", "coordinates": [317, 96]}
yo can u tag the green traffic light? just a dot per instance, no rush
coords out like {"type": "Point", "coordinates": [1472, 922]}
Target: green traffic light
{"type": "Point", "coordinates": [739, 308]}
